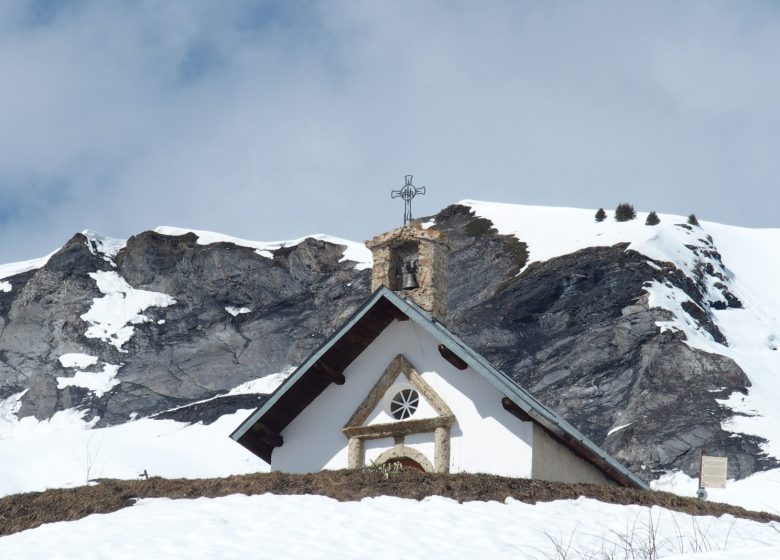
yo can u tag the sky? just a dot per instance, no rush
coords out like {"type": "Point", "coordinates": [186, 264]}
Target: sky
{"type": "Point", "coordinates": [274, 120]}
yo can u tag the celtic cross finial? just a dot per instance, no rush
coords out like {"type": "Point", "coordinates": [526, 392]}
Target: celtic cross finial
{"type": "Point", "coordinates": [407, 192]}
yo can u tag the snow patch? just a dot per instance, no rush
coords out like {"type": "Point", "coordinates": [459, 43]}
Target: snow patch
{"type": "Point", "coordinates": [5, 287]}
{"type": "Point", "coordinates": [77, 360]}
{"type": "Point", "coordinates": [236, 311]}
{"type": "Point", "coordinates": [122, 304]}
{"type": "Point", "coordinates": [100, 382]}
{"type": "Point", "coordinates": [353, 251]}
{"type": "Point", "coordinates": [618, 428]}
{"type": "Point", "coordinates": [103, 246]}
{"type": "Point", "coordinates": [263, 385]}
{"type": "Point", "coordinates": [260, 386]}
{"type": "Point", "coordinates": [665, 296]}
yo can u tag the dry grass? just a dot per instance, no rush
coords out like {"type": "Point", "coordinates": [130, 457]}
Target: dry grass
{"type": "Point", "coordinates": [25, 511]}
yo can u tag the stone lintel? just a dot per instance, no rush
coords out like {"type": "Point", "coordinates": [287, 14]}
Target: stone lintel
{"type": "Point", "coordinates": [404, 427]}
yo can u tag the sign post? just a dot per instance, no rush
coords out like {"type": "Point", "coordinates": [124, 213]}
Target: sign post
{"type": "Point", "coordinates": [712, 473]}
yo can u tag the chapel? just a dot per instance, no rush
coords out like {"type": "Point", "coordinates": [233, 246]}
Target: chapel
{"type": "Point", "coordinates": [393, 385]}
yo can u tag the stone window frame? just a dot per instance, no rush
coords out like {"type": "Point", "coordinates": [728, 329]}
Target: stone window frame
{"type": "Point", "coordinates": [392, 397]}
{"type": "Point", "coordinates": [357, 432]}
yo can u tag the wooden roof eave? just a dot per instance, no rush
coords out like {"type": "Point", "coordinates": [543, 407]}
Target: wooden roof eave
{"type": "Point", "coordinates": [301, 370]}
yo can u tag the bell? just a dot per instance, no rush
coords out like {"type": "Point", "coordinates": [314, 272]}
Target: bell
{"type": "Point", "coordinates": [409, 280]}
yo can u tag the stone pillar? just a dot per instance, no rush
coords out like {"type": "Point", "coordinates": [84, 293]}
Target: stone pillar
{"type": "Point", "coordinates": [355, 453]}
{"type": "Point", "coordinates": [441, 446]}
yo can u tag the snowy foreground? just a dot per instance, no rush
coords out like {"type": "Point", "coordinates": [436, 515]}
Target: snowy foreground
{"type": "Point", "coordinates": [271, 526]}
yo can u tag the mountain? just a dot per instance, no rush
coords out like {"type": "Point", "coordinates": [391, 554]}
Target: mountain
{"type": "Point", "coordinates": [655, 341]}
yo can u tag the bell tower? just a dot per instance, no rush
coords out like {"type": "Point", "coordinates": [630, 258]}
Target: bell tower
{"type": "Point", "coordinates": [412, 261]}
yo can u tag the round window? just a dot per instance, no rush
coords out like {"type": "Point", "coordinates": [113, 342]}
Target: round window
{"type": "Point", "coordinates": [404, 403]}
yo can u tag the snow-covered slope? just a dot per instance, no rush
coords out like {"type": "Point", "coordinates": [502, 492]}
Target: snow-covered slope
{"type": "Point", "coordinates": [750, 271]}
{"type": "Point", "coordinates": [270, 526]}
{"type": "Point", "coordinates": [67, 451]}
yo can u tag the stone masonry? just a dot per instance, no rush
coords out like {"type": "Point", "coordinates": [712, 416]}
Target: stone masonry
{"type": "Point", "coordinates": [431, 248]}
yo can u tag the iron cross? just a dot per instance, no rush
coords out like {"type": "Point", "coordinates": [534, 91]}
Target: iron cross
{"type": "Point", "coordinates": [407, 192]}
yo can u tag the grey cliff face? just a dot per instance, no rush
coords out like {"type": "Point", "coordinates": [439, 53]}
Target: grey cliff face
{"type": "Point", "coordinates": [577, 331]}
{"type": "Point", "coordinates": [188, 351]}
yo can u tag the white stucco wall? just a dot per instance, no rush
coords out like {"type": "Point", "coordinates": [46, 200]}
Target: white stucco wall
{"type": "Point", "coordinates": [375, 447]}
{"type": "Point", "coordinates": [554, 461]}
{"type": "Point", "coordinates": [485, 437]}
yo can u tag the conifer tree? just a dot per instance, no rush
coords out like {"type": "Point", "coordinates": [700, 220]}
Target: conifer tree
{"type": "Point", "coordinates": [692, 220]}
{"type": "Point", "coordinates": [624, 212]}
{"type": "Point", "coordinates": [652, 219]}
{"type": "Point", "coordinates": [601, 215]}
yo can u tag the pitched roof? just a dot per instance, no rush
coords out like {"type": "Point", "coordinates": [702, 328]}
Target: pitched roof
{"type": "Point", "coordinates": [260, 431]}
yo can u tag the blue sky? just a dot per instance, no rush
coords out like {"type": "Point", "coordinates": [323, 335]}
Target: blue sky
{"type": "Point", "coordinates": [274, 120]}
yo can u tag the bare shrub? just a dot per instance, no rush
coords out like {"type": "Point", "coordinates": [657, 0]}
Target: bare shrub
{"type": "Point", "coordinates": [640, 541]}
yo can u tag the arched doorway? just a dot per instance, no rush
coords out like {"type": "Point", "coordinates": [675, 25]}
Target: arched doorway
{"type": "Point", "coordinates": [407, 457]}
{"type": "Point", "coordinates": [405, 463]}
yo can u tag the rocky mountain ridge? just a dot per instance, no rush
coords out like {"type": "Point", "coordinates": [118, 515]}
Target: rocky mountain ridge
{"type": "Point", "coordinates": [580, 330]}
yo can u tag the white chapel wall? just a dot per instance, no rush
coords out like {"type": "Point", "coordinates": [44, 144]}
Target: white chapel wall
{"type": "Point", "coordinates": [554, 461]}
{"type": "Point", "coordinates": [375, 447]}
{"type": "Point", "coordinates": [485, 438]}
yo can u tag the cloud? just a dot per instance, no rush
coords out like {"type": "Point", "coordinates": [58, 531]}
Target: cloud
{"type": "Point", "coordinates": [274, 120]}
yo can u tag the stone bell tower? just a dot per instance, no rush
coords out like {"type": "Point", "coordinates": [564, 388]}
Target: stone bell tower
{"type": "Point", "coordinates": [412, 261]}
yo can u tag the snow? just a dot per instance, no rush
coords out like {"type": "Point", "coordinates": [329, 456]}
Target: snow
{"type": "Point", "coordinates": [618, 428]}
{"type": "Point", "coordinates": [353, 251]}
{"type": "Point", "coordinates": [103, 246]}
{"type": "Point", "coordinates": [5, 287]}
{"type": "Point", "coordinates": [56, 453]}
{"type": "Point", "coordinates": [236, 311]}
{"type": "Point", "coordinates": [67, 450]}
{"type": "Point", "coordinates": [77, 360]}
{"type": "Point", "coordinates": [122, 304]}
{"type": "Point", "coordinates": [551, 231]}
{"type": "Point", "coordinates": [260, 386]}
{"type": "Point", "coordinates": [263, 385]}
{"type": "Point", "coordinates": [758, 492]}
{"type": "Point", "coordinates": [384, 527]}
{"type": "Point", "coordinates": [99, 382]}
{"type": "Point", "coordinates": [12, 269]}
